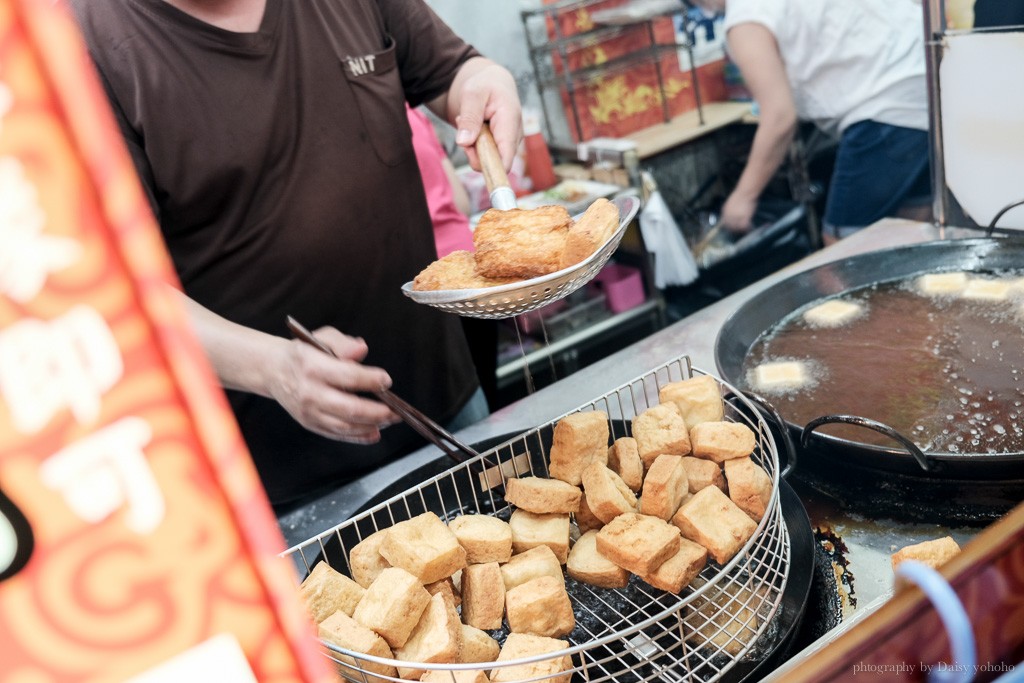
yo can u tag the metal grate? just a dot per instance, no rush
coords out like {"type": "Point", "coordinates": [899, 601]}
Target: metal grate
{"type": "Point", "coordinates": [637, 633]}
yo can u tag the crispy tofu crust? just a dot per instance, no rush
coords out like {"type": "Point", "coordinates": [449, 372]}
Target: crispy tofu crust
{"type": "Point", "coordinates": [624, 460]}
{"type": "Point", "coordinates": [483, 596]}
{"type": "Point", "coordinates": [607, 495]}
{"type": "Point", "coordinates": [933, 553]}
{"type": "Point", "coordinates": [598, 223]}
{"type": "Point", "coordinates": [457, 270]}
{"type": "Point", "coordinates": [341, 630]}
{"type": "Point", "coordinates": [750, 487]}
{"type": "Point", "coordinates": [638, 543]}
{"type": "Point", "coordinates": [721, 441]}
{"type": "Point", "coordinates": [711, 519]}
{"type": "Point", "coordinates": [541, 607]}
{"type": "Point", "coordinates": [523, 645]}
{"type": "Point", "coordinates": [699, 399]}
{"type": "Point", "coordinates": [660, 430]}
{"type": "Point", "coordinates": [326, 591]}
{"type": "Point", "coordinates": [665, 487]}
{"type": "Point", "coordinates": [543, 496]}
{"type": "Point", "coordinates": [676, 573]}
{"type": "Point", "coordinates": [588, 565]}
{"type": "Point", "coordinates": [521, 243]}
{"type": "Point", "coordinates": [530, 530]}
{"type": "Point", "coordinates": [578, 440]}
{"type": "Point", "coordinates": [484, 538]}
{"type": "Point", "coordinates": [702, 473]}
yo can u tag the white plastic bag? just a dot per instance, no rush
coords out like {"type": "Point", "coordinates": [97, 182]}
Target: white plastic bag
{"type": "Point", "coordinates": [673, 261]}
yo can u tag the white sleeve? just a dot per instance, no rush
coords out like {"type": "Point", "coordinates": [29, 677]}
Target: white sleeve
{"type": "Point", "coordinates": [768, 13]}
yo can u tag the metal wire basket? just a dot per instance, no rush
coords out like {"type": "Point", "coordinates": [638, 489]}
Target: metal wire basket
{"type": "Point", "coordinates": [505, 301]}
{"type": "Point", "coordinates": [637, 633]}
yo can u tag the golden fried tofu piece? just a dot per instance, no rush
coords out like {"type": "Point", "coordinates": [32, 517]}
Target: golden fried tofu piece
{"type": "Point", "coordinates": [666, 486]}
{"type": "Point", "coordinates": [477, 646]}
{"type": "Point", "coordinates": [750, 487]}
{"type": "Point", "coordinates": [607, 495]}
{"type": "Point", "coordinates": [588, 565]}
{"type": "Point", "coordinates": [437, 638]}
{"type": "Point", "coordinates": [468, 676]}
{"type": "Point", "coordinates": [702, 473]}
{"type": "Point", "coordinates": [392, 605]}
{"type": "Point", "coordinates": [638, 543]}
{"type": "Point", "coordinates": [699, 399]}
{"type": "Point", "coordinates": [578, 440]}
{"type": "Point", "coordinates": [585, 517]}
{"type": "Point", "coordinates": [341, 630]}
{"type": "Point", "coordinates": [530, 530]}
{"type": "Point", "coordinates": [675, 573]}
{"type": "Point", "coordinates": [326, 591]}
{"type": "Point", "coordinates": [485, 538]}
{"type": "Point", "coordinates": [933, 553]}
{"type": "Point", "coordinates": [543, 496]}
{"type": "Point", "coordinates": [445, 587]}
{"type": "Point", "coordinates": [521, 243]}
{"type": "Point", "coordinates": [541, 607]}
{"type": "Point", "coordinates": [365, 559]}
{"type": "Point", "coordinates": [523, 645]}
{"type": "Point", "coordinates": [597, 224]}
{"type": "Point", "coordinates": [457, 270]}
{"type": "Point", "coordinates": [660, 430]}
{"type": "Point", "coordinates": [721, 441]}
{"type": "Point", "coordinates": [425, 547]}
{"type": "Point", "coordinates": [624, 460]}
{"type": "Point", "coordinates": [538, 561]}
{"type": "Point", "coordinates": [711, 519]}
{"type": "Point", "coordinates": [483, 596]}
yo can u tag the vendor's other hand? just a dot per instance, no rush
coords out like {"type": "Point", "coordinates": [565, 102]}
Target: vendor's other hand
{"type": "Point", "coordinates": [489, 93]}
{"type": "Point", "coordinates": [738, 213]}
{"type": "Point", "coordinates": [319, 391]}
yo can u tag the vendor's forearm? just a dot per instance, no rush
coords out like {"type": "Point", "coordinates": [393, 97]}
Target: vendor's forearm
{"type": "Point", "coordinates": [239, 354]}
{"type": "Point", "coordinates": [771, 144]}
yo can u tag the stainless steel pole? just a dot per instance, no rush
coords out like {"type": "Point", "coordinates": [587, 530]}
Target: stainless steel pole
{"type": "Point", "coordinates": [934, 31]}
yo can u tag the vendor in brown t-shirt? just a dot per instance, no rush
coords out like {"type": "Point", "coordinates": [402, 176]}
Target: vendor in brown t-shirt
{"type": "Point", "coordinates": [271, 137]}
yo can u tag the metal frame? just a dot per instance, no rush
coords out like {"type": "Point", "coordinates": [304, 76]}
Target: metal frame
{"type": "Point", "coordinates": [633, 634]}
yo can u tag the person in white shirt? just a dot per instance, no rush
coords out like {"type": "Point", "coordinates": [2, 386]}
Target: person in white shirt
{"type": "Point", "coordinates": [855, 68]}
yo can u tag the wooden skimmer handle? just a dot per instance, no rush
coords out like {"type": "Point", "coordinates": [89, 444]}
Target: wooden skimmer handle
{"type": "Point", "coordinates": [502, 196]}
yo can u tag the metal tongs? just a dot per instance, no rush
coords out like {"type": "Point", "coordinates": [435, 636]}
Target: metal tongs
{"type": "Point", "coordinates": [424, 426]}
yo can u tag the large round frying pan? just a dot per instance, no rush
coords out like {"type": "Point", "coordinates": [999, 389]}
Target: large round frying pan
{"type": "Point", "coordinates": [768, 307]}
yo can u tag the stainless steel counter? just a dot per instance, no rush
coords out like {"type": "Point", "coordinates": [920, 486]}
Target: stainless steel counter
{"type": "Point", "coordinates": [869, 542]}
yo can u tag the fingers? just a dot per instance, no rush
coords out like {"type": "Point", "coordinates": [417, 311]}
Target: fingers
{"type": "Point", "coordinates": [490, 95]}
{"type": "Point", "coordinates": [349, 376]}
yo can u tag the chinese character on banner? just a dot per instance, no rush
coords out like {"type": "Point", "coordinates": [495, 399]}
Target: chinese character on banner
{"type": "Point", "coordinates": [136, 543]}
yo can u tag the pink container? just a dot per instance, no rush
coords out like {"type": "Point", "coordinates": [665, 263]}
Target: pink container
{"type": "Point", "coordinates": [623, 286]}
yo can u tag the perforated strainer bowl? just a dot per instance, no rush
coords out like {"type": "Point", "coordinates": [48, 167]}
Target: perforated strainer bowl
{"type": "Point", "coordinates": [505, 301]}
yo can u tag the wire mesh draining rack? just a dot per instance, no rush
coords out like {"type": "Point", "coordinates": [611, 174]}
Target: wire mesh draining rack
{"type": "Point", "coordinates": [637, 633]}
{"type": "Point", "coordinates": [505, 301]}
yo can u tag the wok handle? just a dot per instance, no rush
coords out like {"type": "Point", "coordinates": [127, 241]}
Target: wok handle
{"type": "Point", "coordinates": [502, 196]}
{"type": "Point", "coordinates": [926, 464]}
{"type": "Point", "coordinates": [780, 424]}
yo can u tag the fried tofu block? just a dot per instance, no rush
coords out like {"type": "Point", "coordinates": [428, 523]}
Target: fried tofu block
{"type": "Point", "coordinates": [521, 243]}
{"type": "Point", "coordinates": [539, 561]}
{"type": "Point", "coordinates": [425, 547]}
{"type": "Point", "coordinates": [477, 646]}
{"type": "Point", "coordinates": [524, 645]}
{"type": "Point", "coordinates": [979, 289]}
{"type": "Point", "coordinates": [624, 460]}
{"type": "Point", "coordinates": [484, 538]}
{"type": "Point", "coordinates": [457, 270]}
{"type": "Point", "coordinates": [665, 487]}
{"type": "Point", "coordinates": [438, 676]}
{"type": "Point", "coordinates": [541, 607]}
{"type": "Point", "coordinates": [342, 631]}
{"type": "Point", "coordinates": [933, 553]}
{"type": "Point", "coordinates": [365, 559]}
{"type": "Point", "coordinates": [326, 591]}
{"type": "Point", "coordinates": [530, 530]}
{"type": "Point", "coordinates": [578, 440]}
{"type": "Point", "coordinates": [607, 495]}
{"type": "Point", "coordinates": [543, 496]}
{"type": "Point", "coordinates": [676, 573]}
{"type": "Point", "coordinates": [780, 376]}
{"type": "Point", "coordinates": [750, 487]}
{"type": "Point", "coordinates": [586, 564]}
{"type": "Point", "coordinates": [833, 313]}
{"type": "Point", "coordinates": [586, 520]}
{"type": "Point", "coordinates": [660, 430]}
{"type": "Point", "coordinates": [392, 605]}
{"type": "Point", "coordinates": [711, 519]}
{"type": "Point", "coordinates": [597, 224]}
{"type": "Point", "coordinates": [698, 398]}
{"type": "Point", "coordinates": [445, 587]}
{"type": "Point", "coordinates": [725, 617]}
{"type": "Point", "coordinates": [702, 473]}
{"type": "Point", "coordinates": [938, 284]}
{"type": "Point", "coordinates": [437, 638]}
{"type": "Point", "coordinates": [483, 596]}
{"type": "Point", "coordinates": [638, 543]}
{"type": "Point", "coordinates": [721, 441]}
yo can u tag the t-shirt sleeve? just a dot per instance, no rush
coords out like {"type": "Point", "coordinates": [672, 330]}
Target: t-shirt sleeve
{"type": "Point", "coordinates": [429, 53]}
{"type": "Point", "coordinates": [768, 13]}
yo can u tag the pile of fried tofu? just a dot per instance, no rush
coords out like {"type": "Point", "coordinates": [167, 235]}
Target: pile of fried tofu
{"type": "Point", "coordinates": [656, 505]}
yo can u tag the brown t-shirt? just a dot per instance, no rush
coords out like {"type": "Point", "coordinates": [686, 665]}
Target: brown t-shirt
{"type": "Point", "coordinates": [281, 169]}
